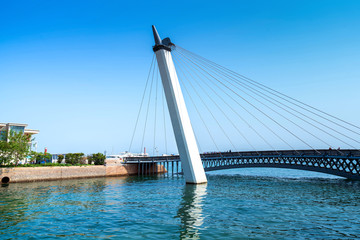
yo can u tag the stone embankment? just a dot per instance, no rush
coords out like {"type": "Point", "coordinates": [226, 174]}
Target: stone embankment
{"type": "Point", "coordinates": [32, 174]}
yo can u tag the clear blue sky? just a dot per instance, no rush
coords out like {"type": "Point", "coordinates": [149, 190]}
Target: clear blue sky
{"type": "Point", "coordinates": [75, 70]}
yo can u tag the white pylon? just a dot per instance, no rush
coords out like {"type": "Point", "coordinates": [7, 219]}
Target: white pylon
{"type": "Point", "coordinates": [184, 134]}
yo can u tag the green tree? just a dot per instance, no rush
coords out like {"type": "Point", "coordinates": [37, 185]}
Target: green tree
{"type": "Point", "coordinates": [4, 153]}
{"type": "Point", "coordinates": [33, 156]}
{"type": "Point", "coordinates": [39, 157]}
{"type": "Point", "coordinates": [73, 158]}
{"type": "Point", "coordinates": [60, 158]}
{"type": "Point", "coordinates": [97, 158]}
{"type": "Point", "coordinates": [14, 147]}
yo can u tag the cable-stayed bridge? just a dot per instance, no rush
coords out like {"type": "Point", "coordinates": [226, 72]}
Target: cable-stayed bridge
{"type": "Point", "coordinates": [234, 112]}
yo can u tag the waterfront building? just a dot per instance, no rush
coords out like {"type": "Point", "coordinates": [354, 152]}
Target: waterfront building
{"type": "Point", "coordinates": [5, 129]}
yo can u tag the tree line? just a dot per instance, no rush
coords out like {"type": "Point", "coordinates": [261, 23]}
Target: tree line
{"type": "Point", "coordinates": [16, 146]}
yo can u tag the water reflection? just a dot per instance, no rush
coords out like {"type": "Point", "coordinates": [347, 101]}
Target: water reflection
{"type": "Point", "coordinates": [190, 211]}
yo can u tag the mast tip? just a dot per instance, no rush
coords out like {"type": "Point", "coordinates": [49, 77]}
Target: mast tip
{"type": "Point", "coordinates": [156, 36]}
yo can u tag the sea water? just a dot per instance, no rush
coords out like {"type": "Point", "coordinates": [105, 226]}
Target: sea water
{"type": "Point", "coordinates": [234, 204]}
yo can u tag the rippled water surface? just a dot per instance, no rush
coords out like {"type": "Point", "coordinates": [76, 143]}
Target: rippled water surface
{"type": "Point", "coordinates": [233, 205]}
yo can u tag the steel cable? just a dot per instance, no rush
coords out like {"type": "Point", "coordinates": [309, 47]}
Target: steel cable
{"type": "Point", "coordinates": [276, 122]}
{"type": "Point", "coordinates": [277, 93]}
{"type": "Point", "coordinates": [261, 95]}
{"type": "Point", "coordinates": [225, 102]}
{"type": "Point", "coordinates": [214, 102]}
{"type": "Point", "coordinates": [141, 104]}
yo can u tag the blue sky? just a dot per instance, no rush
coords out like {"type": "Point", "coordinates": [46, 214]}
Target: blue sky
{"type": "Point", "coordinates": [76, 70]}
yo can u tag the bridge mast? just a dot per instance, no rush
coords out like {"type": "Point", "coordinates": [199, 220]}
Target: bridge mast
{"type": "Point", "coordinates": [184, 134]}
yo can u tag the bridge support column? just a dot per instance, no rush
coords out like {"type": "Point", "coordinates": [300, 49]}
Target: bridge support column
{"type": "Point", "coordinates": [184, 134]}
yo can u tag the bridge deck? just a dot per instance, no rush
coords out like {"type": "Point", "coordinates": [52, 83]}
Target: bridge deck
{"type": "Point", "coordinates": [344, 163]}
{"type": "Point", "coordinates": [317, 152]}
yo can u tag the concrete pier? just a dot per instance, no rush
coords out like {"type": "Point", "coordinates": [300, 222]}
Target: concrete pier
{"type": "Point", "coordinates": [32, 174]}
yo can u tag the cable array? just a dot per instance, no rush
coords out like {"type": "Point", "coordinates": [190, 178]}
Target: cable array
{"type": "Point", "coordinates": [300, 125]}
{"type": "Point", "coordinates": [229, 111]}
{"type": "Point", "coordinates": [151, 131]}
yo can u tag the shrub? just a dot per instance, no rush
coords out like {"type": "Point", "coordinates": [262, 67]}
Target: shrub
{"type": "Point", "coordinates": [97, 158]}
{"type": "Point", "coordinates": [39, 157]}
{"type": "Point", "coordinates": [83, 160]}
{"type": "Point", "coordinates": [60, 158]}
{"type": "Point", "coordinates": [73, 158]}
{"type": "Point", "coordinates": [90, 159]}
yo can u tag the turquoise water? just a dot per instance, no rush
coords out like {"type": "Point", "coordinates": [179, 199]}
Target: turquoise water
{"type": "Point", "coordinates": [235, 204]}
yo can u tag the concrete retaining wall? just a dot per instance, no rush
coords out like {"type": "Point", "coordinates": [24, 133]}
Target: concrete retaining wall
{"type": "Point", "coordinates": [30, 174]}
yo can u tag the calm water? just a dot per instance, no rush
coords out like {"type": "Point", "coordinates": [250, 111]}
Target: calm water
{"type": "Point", "coordinates": [233, 205]}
